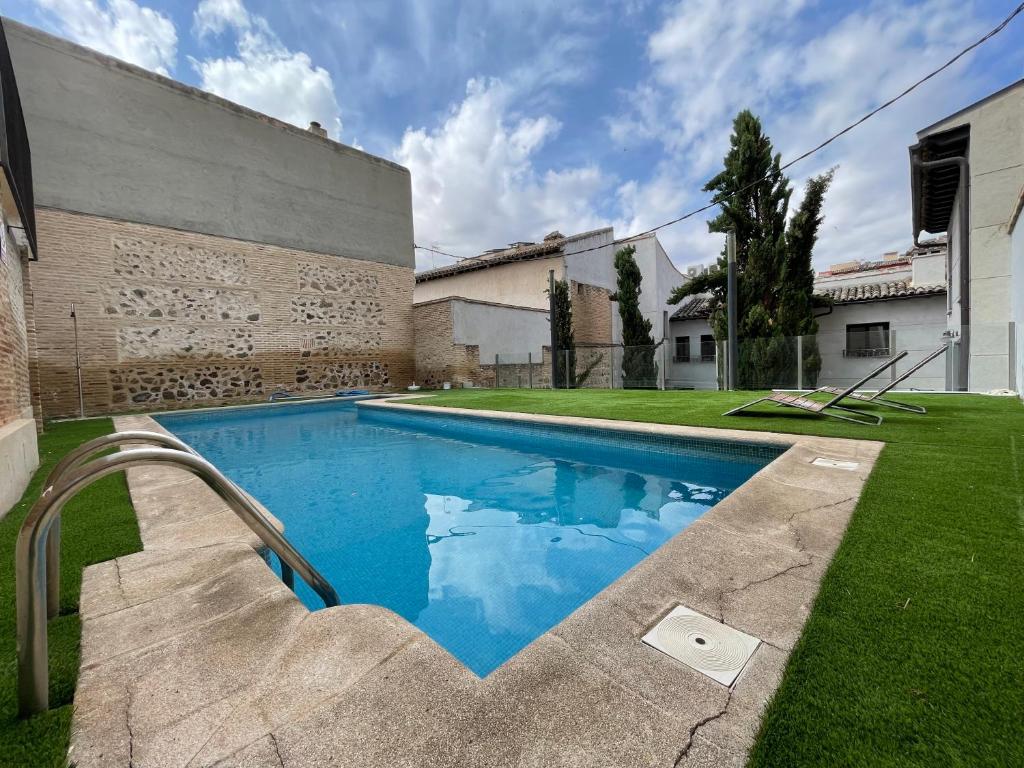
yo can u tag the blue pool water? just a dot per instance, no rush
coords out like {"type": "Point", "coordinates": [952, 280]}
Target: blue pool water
{"type": "Point", "coordinates": [484, 535]}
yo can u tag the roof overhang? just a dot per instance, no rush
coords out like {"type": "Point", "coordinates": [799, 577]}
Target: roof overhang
{"type": "Point", "coordinates": [933, 190]}
{"type": "Point", "coordinates": [15, 155]}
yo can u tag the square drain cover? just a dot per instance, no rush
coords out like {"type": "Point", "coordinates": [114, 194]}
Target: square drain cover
{"type": "Point", "coordinates": [835, 463]}
{"type": "Point", "coordinates": [703, 644]}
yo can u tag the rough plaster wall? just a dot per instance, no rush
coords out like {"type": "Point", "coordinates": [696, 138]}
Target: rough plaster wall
{"type": "Point", "coordinates": [113, 140]}
{"type": "Point", "coordinates": [513, 333]}
{"type": "Point", "coordinates": [169, 317]}
{"type": "Point", "coordinates": [15, 399]}
{"type": "Point", "coordinates": [520, 283]}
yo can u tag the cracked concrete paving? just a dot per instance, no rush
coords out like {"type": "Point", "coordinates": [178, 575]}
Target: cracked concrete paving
{"type": "Point", "coordinates": [195, 654]}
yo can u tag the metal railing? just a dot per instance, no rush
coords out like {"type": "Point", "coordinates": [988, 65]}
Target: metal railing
{"type": "Point", "coordinates": [35, 600]}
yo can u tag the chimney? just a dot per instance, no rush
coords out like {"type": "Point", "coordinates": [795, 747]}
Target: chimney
{"type": "Point", "coordinates": [317, 129]}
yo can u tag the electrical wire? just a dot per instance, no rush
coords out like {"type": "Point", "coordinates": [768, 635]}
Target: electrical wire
{"type": "Point", "coordinates": [718, 199]}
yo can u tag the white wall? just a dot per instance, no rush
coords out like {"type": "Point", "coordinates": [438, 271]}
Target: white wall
{"type": "Point", "coordinates": [929, 269]}
{"type": "Point", "coordinates": [660, 276]}
{"type": "Point", "coordinates": [996, 157]}
{"type": "Point", "coordinates": [695, 374]}
{"type": "Point", "coordinates": [511, 332]}
{"type": "Point", "coordinates": [915, 325]}
{"type": "Point", "coordinates": [595, 267]}
{"type": "Point", "coordinates": [1017, 281]}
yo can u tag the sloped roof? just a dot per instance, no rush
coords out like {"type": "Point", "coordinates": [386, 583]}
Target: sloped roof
{"type": "Point", "coordinates": [699, 307]}
{"type": "Point", "coordinates": [693, 308]}
{"type": "Point", "coordinates": [895, 289]}
{"type": "Point", "coordinates": [519, 252]}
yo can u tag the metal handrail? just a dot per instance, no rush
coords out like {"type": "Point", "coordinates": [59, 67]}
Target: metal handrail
{"type": "Point", "coordinates": [31, 554]}
{"type": "Point", "coordinates": [74, 459]}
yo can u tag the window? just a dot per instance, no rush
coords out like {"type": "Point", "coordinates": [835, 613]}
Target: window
{"type": "Point", "coordinates": [867, 340]}
{"type": "Point", "coordinates": [682, 350]}
{"type": "Point", "coordinates": [707, 348]}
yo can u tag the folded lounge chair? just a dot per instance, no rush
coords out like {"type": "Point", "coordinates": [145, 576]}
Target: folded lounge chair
{"type": "Point", "coordinates": [876, 397]}
{"type": "Point", "coordinates": [814, 406]}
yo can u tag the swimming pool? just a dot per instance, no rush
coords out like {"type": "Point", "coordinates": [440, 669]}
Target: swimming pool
{"type": "Point", "coordinates": [484, 534]}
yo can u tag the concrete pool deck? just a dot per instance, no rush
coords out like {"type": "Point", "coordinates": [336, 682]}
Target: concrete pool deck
{"type": "Point", "coordinates": [195, 654]}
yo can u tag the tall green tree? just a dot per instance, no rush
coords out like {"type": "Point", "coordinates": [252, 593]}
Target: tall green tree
{"type": "Point", "coordinates": [638, 366]}
{"type": "Point", "coordinates": [565, 340]}
{"type": "Point", "coordinates": [775, 283]}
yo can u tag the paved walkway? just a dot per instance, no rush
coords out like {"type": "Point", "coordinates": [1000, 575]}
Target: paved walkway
{"type": "Point", "coordinates": [195, 654]}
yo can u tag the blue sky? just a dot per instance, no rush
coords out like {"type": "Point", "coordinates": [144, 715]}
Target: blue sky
{"type": "Point", "coordinates": [517, 117]}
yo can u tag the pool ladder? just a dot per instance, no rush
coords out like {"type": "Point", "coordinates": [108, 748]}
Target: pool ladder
{"type": "Point", "coordinates": [37, 553]}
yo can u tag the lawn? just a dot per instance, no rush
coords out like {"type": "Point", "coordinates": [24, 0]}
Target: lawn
{"type": "Point", "coordinates": [98, 524]}
{"type": "Point", "coordinates": [913, 651]}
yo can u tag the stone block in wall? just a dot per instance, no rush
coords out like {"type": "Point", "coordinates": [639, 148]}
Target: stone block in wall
{"type": "Point", "coordinates": [318, 377]}
{"type": "Point", "coordinates": [188, 303]}
{"type": "Point", "coordinates": [180, 342]}
{"type": "Point", "coordinates": [326, 342]}
{"type": "Point", "coordinates": [152, 385]}
{"type": "Point", "coordinates": [179, 262]}
{"type": "Point", "coordinates": [324, 278]}
{"type": "Point", "coordinates": [315, 309]}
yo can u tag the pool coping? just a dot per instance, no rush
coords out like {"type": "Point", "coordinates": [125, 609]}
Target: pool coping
{"type": "Point", "coordinates": [194, 653]}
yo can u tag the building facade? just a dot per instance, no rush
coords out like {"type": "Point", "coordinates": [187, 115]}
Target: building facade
{"type": "Point", "coordinates": [503, 290]}
{"type": "Point", "coordinates": [877, 308]}
{"type": "Point", "coordinates": [212, 254]}
{"type": "Point", "coordinates": [19, 454]}
{"type": "Point", "coordinates": [967, 173]}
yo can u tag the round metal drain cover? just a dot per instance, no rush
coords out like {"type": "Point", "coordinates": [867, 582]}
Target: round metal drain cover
{"type": "Point", "coordinates": [708, 646]}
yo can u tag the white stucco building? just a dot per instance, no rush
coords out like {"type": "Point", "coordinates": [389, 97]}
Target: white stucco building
{"type": "Point", "coordinates": [878, 307]}
{"type": "Point", "coordinates": [967, 174]}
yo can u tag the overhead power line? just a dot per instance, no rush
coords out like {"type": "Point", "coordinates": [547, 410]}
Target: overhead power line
{"type": "Point", "coordinates": [718, 199]}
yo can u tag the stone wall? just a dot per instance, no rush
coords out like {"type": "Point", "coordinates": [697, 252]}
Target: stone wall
{"type": "Point", "coordinates": [168, 317]}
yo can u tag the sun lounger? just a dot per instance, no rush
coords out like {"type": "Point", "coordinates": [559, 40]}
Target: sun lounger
{"type": "Point", "coordinates": [876, 397]}
{"type": "Point", "coordinates": [830, 407]}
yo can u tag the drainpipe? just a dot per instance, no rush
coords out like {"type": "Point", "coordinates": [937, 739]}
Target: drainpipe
{"type": "Point", "coordinates": [963, 193]}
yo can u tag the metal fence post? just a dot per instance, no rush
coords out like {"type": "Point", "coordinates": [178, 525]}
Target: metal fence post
{"type": "Point", "coordinates": [800, 362]}
{"type": "Point", "coordinates": [529, 367]}
{"type": "Point", "coordinates": [496, 371]}
{"type": "Point", "coordinates": [732, 358]}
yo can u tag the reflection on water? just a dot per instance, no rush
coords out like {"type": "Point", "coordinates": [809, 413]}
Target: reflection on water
{"type": "Point", "coordinates": [482, 546]}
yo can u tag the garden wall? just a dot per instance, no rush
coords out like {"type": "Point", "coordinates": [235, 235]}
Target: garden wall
{"type": "Point", "coordinates": [167, 317]}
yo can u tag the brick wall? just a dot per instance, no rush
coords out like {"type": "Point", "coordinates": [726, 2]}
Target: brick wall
{"type": "Point", "coordinates": [168, 317]}
{"type": "Point", "coordinates": [15, 398]}
{"type": "Point", "coordinates": [591, 314]}
{"type": "Point", "coordinates": [592, 324]}
{"type": "Point", "coordinates": [438, 358]}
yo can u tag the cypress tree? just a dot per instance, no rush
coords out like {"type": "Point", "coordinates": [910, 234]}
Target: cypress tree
{"type": "Point", "coordinates": [638, 366]}
{"type": "Point", "coordinates": [565, 340]}
{"type": "Point", "coordinates": [775, 286]}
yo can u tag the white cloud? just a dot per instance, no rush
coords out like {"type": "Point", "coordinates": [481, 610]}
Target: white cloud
{"type": "Point", "coordinates": [264, 74]}
{"type": "Point", "coordinates": [120, 28]}
{"type": "Point", "coordinates": [474, 181]}
{"type": "Point", "coordinates": [709, 60]}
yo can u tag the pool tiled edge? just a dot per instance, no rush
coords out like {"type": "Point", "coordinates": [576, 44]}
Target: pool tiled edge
{"type": "Point", "coordinates": [195, 654]}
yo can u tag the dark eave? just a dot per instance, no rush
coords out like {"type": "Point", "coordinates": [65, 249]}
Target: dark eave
{"type": "Point", "coordinates": [15, 155]}
{"type": "Point", "coordinates": [933, 190]}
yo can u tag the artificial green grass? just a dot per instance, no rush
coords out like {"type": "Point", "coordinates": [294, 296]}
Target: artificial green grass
{"type": "Point", "coordinates": [98, 524]}
{"type": "Point", "coordinates": [913, 653]}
